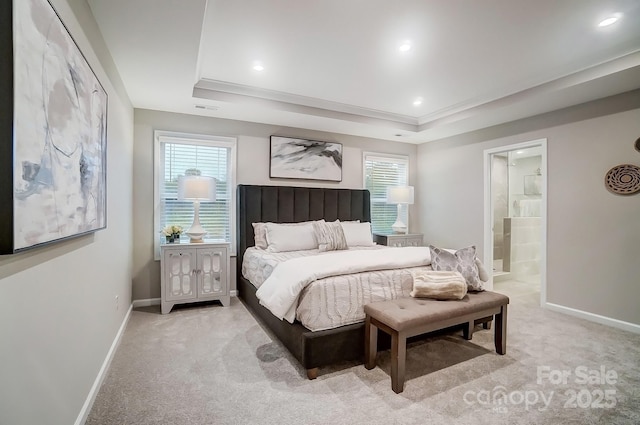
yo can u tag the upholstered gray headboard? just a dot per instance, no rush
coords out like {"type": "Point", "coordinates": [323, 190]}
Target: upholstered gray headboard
{"type": "Point", "coordinates": [286, 204]}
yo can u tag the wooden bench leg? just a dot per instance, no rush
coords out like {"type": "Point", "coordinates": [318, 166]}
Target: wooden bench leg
{"type": "Point", "coordinates": [467, 330]}
{"type": "Point", "coordinates": [370, 343]}
{"type": "Point", "coordinates": [398, 361]}
{"type": "Point", "coordinates": [501, 331]}
{"type": "Point", "coordinates": [486, 325]}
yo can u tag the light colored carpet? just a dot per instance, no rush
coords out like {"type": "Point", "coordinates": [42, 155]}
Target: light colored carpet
{"type": "Point", "coordinates": [215, 365]}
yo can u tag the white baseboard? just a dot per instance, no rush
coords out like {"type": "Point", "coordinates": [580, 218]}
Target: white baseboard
{"type": "Point", "coordinates": [603, 320]}
{"type": "Point", "coordinates": [233, 293]}
{"type": "Point", "coordinates": [145, 303]}
{"type": "Point", "coordinates": [88, 404]}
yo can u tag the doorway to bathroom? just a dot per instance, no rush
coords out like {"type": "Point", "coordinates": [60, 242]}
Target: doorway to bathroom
{"type": "Point", "coordinates": [515, 217]}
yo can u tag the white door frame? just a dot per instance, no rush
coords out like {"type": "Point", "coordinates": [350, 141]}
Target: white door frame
{"type": "Point", "coordinates": [488, 211]}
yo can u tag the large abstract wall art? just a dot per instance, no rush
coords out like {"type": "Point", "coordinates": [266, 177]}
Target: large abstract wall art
{"type": "Point", "coordinates": [56, 132]}
{"type": "Point", "coordinates": [305, 159]}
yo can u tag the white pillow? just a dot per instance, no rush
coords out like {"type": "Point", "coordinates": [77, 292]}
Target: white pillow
{"type": "Point", "coordinates": [357, 234]}
{"type": "Point", "coordinates": [260, 232]}
{"type": "Point", "coordinates": [285, 237]}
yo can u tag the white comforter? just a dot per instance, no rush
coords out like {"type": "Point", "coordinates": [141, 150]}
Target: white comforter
{"type": "Point", "coordinates": [280, 292]}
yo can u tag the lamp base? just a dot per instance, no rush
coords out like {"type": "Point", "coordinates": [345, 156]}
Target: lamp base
{"type": "Point", "coordinates": [196, 232]}
{"type": "Point", "coordinates": [195, 237]}
{"type": "Point", "coordinates": [399, 227]}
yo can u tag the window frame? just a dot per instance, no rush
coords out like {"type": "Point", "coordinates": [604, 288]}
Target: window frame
{"type": "Point", "coordinates": [382, 157]}
{"type": "Point", "coordinates": [162, 136]}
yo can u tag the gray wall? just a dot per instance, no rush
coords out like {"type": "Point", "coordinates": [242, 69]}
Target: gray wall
{"type": "Point", "coordinates": [58, 316]}
{"type": "Point", "coordinates": [253, 168]}
{"type": "Point", "coordinates": [592, 235]}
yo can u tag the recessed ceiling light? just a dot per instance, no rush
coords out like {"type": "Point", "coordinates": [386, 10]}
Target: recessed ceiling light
{"type": "Point", "coordinates": [417, 102]}
{"type": "Point", "coordinates": [405, 46]}
{"type": "Point", "coordinates": [610, 20]}
{"type": "Point", "coordinates": [519, 152]}
{"type": "Point", "coordinates": [258, 67]}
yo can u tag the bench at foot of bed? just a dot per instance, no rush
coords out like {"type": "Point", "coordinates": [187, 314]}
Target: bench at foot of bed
{"type": "Point", "coordinates": [312, 373]}
{"type": "Point", "coordinates": [406, 317]}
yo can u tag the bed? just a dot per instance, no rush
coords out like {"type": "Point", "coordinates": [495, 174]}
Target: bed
{"type": "Point", "coordinates": [284, 204]}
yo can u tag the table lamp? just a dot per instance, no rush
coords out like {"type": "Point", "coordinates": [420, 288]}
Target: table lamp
{"type": "Point", "coordinates": [196, 189]}
{"type": "Point", "coordinates": [400, 195]}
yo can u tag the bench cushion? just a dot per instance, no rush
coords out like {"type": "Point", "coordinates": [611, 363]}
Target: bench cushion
{"type": "Point", "coordinates": [407, 313]}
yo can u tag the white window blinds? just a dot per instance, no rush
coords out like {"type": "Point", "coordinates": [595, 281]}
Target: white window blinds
{"type": "Point", "coordinates": [381, 171]}
{"type": "Point", "coordinates": [180, 155]}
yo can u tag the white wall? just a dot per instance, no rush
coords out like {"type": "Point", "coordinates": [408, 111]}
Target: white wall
{"type": "Point", "coordinates": [253, 168]}
{"type": "Point", "coordinates": [58, 316]}
{"type": "Point", "coordinates": [593, 235]}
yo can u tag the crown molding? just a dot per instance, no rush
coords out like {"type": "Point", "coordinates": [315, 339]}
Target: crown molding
{"type": "Point", "coordinates": [236, 93]}
{"type": "Point", "coordinates": [466, 109]}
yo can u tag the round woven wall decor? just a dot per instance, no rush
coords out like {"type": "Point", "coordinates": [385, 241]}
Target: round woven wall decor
{"type": "Point", "coordinates": [623, 179]}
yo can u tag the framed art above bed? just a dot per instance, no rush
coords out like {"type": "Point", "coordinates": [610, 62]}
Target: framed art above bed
{"type": "Point", "coordinates": [53, 123]}
{"type": "Point", "coordinates": [305, 159]}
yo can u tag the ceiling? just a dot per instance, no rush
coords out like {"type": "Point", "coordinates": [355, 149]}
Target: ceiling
{"type": "Point", "coordinates": [336, 66]}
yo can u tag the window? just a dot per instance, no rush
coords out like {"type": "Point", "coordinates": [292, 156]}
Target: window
{"type": "Point", "coordinates": [381, 171]}
{"type": "Point", "coordinates": [179, 154]}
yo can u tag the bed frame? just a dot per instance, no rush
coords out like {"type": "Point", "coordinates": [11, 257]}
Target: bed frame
{"type": "Point", "coordinates": [285, 204]}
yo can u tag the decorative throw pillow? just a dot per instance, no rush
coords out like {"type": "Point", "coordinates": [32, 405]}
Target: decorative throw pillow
{"type": "Point", "coordinates": [462, 261]}
{"type": "Point", "coordinates": [330, 236]}
{"type": "Point", "coordinates": [260, 235]}
{"type": "Point", "coordinates": [357, 234]}
{"type": "Point", "coordinates": [482, 271]}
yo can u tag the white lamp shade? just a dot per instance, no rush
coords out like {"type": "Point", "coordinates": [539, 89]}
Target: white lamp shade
{"type": "Point", "coordinates": [400, 195]}
{"type": "Point", "coordinates": [196, 188]}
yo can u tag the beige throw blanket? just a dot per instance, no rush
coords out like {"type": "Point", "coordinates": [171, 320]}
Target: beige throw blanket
{"type": "Point", "coordinates": [439, 285]}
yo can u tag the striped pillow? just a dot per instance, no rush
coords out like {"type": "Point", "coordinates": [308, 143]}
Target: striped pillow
{"type": "Point", "coordinates": [330, 236]}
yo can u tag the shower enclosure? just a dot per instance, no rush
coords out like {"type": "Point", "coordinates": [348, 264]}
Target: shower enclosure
{"type": "Point", "coordinates": [516, 190]}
